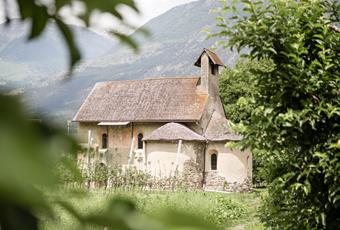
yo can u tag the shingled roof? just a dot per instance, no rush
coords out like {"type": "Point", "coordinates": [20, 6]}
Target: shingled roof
{"type": "Point", "coordinates": [149, 100]}
{"type": "Point", "coordinates": [218, 129]}
{"type": "Point", "coordinates": [213, 57]}
{"type": "Point", "coordinates": [174, 132]}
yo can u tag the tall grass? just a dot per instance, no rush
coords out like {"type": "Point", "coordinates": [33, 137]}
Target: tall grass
{"type": "Point", "coordinates": [220, 209]}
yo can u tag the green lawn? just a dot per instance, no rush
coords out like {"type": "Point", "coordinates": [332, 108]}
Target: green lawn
{"type": "Point", "coordinates": [226, 210]}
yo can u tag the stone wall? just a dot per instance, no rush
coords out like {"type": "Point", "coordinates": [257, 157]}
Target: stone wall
{"type": "Point", "coordinates": [245, 186]}
{"type": "Point", "coordinates": [193, 169]}
{"type": "Point", "coordinates": [216, 182]}
{"type": "Point", "coordinates": [213, 181]}
{"type": "Point", "coordinates": [192, 175]}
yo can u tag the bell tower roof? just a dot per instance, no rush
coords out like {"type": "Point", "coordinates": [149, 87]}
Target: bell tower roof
{"type": "Point", "coordinates": [214, 58]}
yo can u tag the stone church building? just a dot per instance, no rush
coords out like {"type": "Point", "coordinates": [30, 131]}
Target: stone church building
{"type": "Point", "coordinates": [165, 126]}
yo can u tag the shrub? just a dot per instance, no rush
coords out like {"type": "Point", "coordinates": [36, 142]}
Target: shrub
{"type": "Point", "coordinates": [225, 211]}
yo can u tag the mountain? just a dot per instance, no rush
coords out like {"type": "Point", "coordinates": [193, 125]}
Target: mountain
{"type": "Point", "coordinates": [38, 62]}
{"type": "Point", "coordinates": [176, 40]}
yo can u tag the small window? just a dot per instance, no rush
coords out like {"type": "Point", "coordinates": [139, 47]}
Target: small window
{"type": "Point", "coordinates": [214, 69]}
{"type": "Point", "coordinates": [214, 161]}
{"type": "Point", "coordinates": [140, 141]}
{"type": "Point", "coordinates": [104, 141]}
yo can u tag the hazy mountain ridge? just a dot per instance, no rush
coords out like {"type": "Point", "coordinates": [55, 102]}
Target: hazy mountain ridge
{"type": "Point", "coordinates": [44, 57]}
{"type": "Point", "coordinates": [177, 40]}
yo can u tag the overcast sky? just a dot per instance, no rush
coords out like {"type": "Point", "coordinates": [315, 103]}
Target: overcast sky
{"type": "Point", "coordinates": [153, 8]}
{"type": "Point", "coordinates": [149, 9]}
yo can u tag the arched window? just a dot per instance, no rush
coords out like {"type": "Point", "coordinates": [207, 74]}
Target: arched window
{"type": "Point", "coordinates": [213, 161]}
{"type": "Point", "coordinates": [140, 141]}
{"type": "Point", "coordinates": [104, 141]}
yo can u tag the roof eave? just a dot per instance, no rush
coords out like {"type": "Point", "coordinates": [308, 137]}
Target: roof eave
{"type": "Point", "coordinates": [161, 139]}
{"type": "Point", "coordinates": [139, 121]}
{"type": "Point", "coordinates": [225, 139]}
{"type": "Point", "coordinates": [82, 105]}
{"type": "Point", "coordinates": [207, 51]}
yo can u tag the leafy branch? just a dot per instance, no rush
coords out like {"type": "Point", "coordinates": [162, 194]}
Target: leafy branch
{"type": "Point", "coordinates": [40, 13]}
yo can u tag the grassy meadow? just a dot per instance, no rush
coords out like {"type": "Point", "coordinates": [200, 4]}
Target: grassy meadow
{"type": "Point", "coordinates": [232, 211]}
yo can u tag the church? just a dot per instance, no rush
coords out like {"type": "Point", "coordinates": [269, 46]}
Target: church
{"type": "Point", "coordinates": [166, 127]}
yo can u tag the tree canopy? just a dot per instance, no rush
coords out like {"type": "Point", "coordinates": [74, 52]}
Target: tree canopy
{"type": "Point", "coordinates": [296, 115]}
{"type": "Point", "coordinates": [237, 88]}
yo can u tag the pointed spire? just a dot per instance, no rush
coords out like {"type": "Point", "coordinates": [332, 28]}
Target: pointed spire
{"type": "Point", "coordinates": [214, 58]}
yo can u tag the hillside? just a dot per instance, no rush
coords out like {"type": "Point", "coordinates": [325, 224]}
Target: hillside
{"type": "Point", "coordinates": [38, 62]}
{"type": "Point", "coordinates": [177, 40]}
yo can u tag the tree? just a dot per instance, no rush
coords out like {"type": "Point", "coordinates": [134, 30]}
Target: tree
{"type": "Point", "coordinates": [236, 98]}
{"type": "Point", "coordinates": [296, 118]}
{"type": "Point", "coordinates": [234, 95]}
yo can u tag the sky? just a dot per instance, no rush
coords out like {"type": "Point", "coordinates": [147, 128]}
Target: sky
{"type": "Point", "coordinates": [153, 8]}
{"type": "Point", "coordinates": [149, 9]}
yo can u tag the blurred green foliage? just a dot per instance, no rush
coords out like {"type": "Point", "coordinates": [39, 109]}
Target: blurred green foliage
{"type": "Point", "coordinates": [296, 115]}
{"type": "Point", "coordinates": [28, 152]}
{"type": "Point", "coordinates": [40, 13]}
